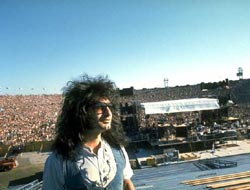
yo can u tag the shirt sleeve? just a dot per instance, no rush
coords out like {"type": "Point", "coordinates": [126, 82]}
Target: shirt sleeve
{"type": "Point", "coordinates": [127, 172]}
{"type": "Point", "coordinates": [53, 178]}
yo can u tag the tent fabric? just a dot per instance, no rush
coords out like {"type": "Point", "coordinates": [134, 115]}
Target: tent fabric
{"type": "Point", "coordinates": [183, 105]}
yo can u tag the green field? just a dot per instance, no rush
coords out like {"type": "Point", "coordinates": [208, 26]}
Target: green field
{"type": "Point", "coordinates": [20, 175]}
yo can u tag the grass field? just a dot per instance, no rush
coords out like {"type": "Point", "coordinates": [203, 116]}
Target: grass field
{"type": "Point", "coordinates": [20, 175]}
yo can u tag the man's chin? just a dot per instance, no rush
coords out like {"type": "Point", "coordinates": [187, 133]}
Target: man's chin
{"type": "Point", "coordinates": [107, 127]}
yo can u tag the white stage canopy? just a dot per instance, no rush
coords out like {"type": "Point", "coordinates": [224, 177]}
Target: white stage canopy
{"type": "Point", "coordinates": [183, 105]}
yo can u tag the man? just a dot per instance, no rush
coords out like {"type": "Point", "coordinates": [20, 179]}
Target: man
{"type": "Point", "coordinates": [88, 151]}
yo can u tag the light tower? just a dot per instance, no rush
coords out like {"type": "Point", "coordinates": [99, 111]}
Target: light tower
{"type": "Point", "coordinates": [165, 82]}
{"type": "Point", "coordinates": [240, 73]}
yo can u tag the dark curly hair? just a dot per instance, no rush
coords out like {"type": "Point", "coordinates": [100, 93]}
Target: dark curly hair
{"type": "Point", "coordinates": [72, 122]}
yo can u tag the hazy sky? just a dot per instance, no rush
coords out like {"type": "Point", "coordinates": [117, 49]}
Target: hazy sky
{"type": "Point", "coordinates": [139, 43]}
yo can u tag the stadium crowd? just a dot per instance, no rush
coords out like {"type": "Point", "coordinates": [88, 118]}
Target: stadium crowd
{"type": "Point", "coordinates": [28, 118]}
{"type": "Point", "coordinates": [31, 118]}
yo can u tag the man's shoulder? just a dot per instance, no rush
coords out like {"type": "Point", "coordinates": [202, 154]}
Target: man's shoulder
{"type": "Point", "coordinates": [54, 157]}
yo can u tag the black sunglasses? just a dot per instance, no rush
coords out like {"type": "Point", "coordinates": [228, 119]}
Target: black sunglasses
{"type": "Point", "coordinates": [101, 107]}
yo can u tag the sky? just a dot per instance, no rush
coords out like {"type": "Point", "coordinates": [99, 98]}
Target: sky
{"type": "Point", "coordinates": [136, 43]}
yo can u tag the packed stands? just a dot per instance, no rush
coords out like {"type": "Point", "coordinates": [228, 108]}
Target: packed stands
{"type": "Point", "coordinates": [26, 119]}
{"type": "Point", "coordinates": [31, 118]}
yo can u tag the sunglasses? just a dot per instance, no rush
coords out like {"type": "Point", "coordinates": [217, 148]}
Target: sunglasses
{"type": "Point", "coordinates": [101, 107]}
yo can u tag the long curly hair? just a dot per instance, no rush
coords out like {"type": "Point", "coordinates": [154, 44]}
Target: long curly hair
{"type": "Point", "coordinates": [72, 122]}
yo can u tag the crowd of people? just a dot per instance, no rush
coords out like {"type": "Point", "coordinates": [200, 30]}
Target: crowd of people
{"type": "Point", "coordinates": [29, 118]}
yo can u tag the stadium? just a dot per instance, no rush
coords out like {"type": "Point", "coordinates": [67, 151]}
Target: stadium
{"type": "Point", "coordinates": [203, 129]}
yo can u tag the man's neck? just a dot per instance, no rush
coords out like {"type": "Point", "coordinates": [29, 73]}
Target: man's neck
{"type": "Point", "coordinates": [94, 143]}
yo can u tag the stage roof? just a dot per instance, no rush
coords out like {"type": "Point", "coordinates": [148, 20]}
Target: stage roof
{"type": "Point", "coordinates": [183, 105]}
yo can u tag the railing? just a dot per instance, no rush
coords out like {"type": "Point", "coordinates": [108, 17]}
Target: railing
{"type": "Point", "coordinates": [34, 185]}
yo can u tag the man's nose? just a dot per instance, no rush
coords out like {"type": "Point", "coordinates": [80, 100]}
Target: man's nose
{"type": "Point", "coordinates": [107, 110]}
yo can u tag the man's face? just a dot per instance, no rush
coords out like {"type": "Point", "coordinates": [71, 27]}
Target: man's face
{"type": "Point", "coordinates": [103, 114]}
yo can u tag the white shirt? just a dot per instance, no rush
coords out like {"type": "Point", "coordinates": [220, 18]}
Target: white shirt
{"type": "Point", "coordinates": [100, 168]}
